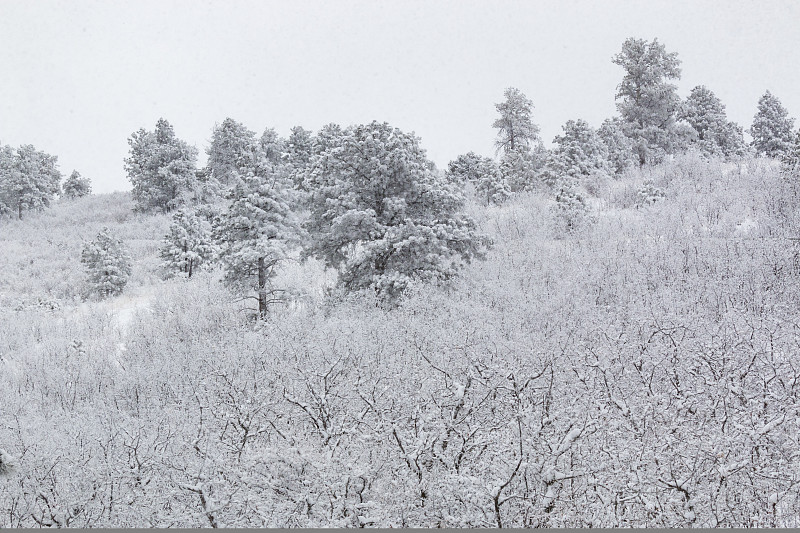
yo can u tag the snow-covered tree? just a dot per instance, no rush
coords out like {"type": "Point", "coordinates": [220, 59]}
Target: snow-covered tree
{"type": "Point", "coordinates": [107, 263]}
{"type": "Point", "coordinates": [273, 146]}
{"type": "Point", "coordinates": [382, 216]}
{"type": "Point", "coordinates": [580, 152]}
{"type": "Point", "coordinates": [490, 185]}
{"type": "Point", "coordinates": [230, 150]}
{"type": "Point", "coordinates": [187, 246]}
{"type": "Point", "coordinates": [791, 161]}
{"type": "Point", "coordinates": [570, 212]}
{"type": "Point", "coordinates": [772, 127]}
{"type": "Point", "coordinates": [255, 235]}
{"type": "Point", "coordinates": [76, 186]}
{"type": "Point", "coordinates": [715, 134]}
{"type": "Point", "coordinates": [464, 168]}
{"type": "Point", "coordinates": [160, 167]}
{"type": "Point", "coordinates": [619, 146]}
{"type": "Point", "coordinates": [647, 101]}
{"type": "Point", "coordinates": [515, 126]}
{"type": "Point", "coordinates": [299, 148]}
{"type": "Point", "coordinates": [29, 179]}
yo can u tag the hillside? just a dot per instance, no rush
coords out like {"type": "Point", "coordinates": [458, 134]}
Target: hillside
{"type": "Point", "coordinates": [642, 371]}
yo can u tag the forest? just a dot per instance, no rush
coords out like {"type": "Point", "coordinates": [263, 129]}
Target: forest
{"type": "Point", "coordinates": [327, 330]}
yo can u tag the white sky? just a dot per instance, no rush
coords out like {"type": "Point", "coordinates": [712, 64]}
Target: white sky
{"type": "Point", "coordinates": [77, 77]}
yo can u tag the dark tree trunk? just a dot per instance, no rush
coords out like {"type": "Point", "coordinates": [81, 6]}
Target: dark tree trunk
{"type": "Point", "coordinates": [262, 287]}
{"type": "Point", "coordinates": [19, 210]}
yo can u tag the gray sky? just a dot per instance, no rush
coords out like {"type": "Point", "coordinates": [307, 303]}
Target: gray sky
{"type": "Point", "coordinates": [79, 76]}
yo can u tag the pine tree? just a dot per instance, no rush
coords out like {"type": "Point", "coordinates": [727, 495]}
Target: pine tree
{"type": "Point", "coordinates": [491, 186]}
{"type": "Point", "coordinates": [231, 149]}
{"type": "Point", "coordinates": [772, 128]}
{"type": "Point", "coordinates": [648, 102]}
{"type": "Point", "coordinates": [108, 264]}
{"type": "Point", "coordinates": [715, 135]}
{"type": "Point", "coordinates": [516, 130]}
{"type": "Point", "coordinates": [465, 168]}
{"type": "Point", "coordinates": [483, 173]}
{"type": "Point", "coordinates": [570, 212]}
{"type": "Point", "coordinates": [161, 168]}
{"type": "Point", "coordinates": [791, 161]}
{"type": "Point", "coordinates": [273, 147]}
{"type": "Point", "coordinates": [299, 148]}
{"type": "Point", "coordinates": [255, 236]}
{"type": "Point", "coordinates": [580, 152]}
{"type": "Point", "coordinates": [29, 179]}
{"type": "Point", "coordinates": [382, 216]}
{"type": "Point", "coordinates": [187, 246]}
{"type": "Point", "coordinates": [76, 186]}
{"type": "Point", "coordinates": [619, 146]}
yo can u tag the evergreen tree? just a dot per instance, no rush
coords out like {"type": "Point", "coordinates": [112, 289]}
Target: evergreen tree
{"type": "Point", "coordinates": [255, 235]}
{"type": "Point", "coordinates": [647, 101]}
{"type": "Point", "coordinates": [772, 128]}
{"type": "Point", "coordinates": [491, 186]}
{"type": "Point", "coordinates": [273, 147]}
{"type": "Point", "coordinates": [76, 186]}
{"type": "Point", "coordinates": [382, 216]}
{"type": "Point", "coordinates": [524, 169]}
{"type": "Point", "coordinates": [618, 145]}
{"type": "Point", "coordinates": [231, 149]}
{"type": "Point", "coordinates": [465, 168]}
{"type": "Point", "coordinates": [299, 148]}
{"type": "Point", "coordinates": [580, 152]}
{"type": "Point", "coordinates": [107, 263]}
{"type": "Point", "coordinates": [791, 161]}
{"type": "Point", "coordinates": [715, 135]}
{"type": "Point", "coordinates": [161, 168]}
{"type": "Point", "coordinates": [187, 246]}
{"type": "Point", "coordinates": [515, 126]}
{"type": "Point", "coordinates": [29, 179]}
{"type": "Point", "coordinates": [570, 212]}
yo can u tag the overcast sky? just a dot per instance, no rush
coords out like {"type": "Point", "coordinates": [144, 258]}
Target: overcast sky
{"type": "Point", "coordinates": [78, 77]}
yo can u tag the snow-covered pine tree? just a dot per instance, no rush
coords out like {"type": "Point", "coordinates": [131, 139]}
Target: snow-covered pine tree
{"type": "Point", "coordinates": [772, 128]}
{"type": "Point", "coordinates": [791, 161]}
{"type": "Point", "coordinates": [230, 150]}
{"type": "Point", "coordinates": [580, 152]}
{"type": "Point", "coordinates": [187, 246]}
{"type": "Point", "coordinates": [464, 168]}
{"type": "Point", "coordinates": [619, 146]}
{"type": "Point", "coordinates": [299, 148]}
{"type": "Point", "coordinates": [647, 101]}
{"type": "Point", "coordinates": [570, 212]}
{"type": "Point", "coordinates": [76, 186]}
{"type": "Point", "coordinates": [108, 264]}
{"type": "Point", "coordinates": [705, 113]}
{"type": "Point", "coordinates": [382, 216]}
{"type": "Point", "coordinates": [483, 173]}
{"type": "Point", "coordinates": [161, 168]}
{"type": "Point", "coordinates": [29, 179]}
{"type": "Point", "coordinates": [255, 235]}
{"type": "Point", "coordinates": [515, 126]}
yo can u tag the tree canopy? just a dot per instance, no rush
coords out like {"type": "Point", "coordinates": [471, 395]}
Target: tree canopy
{"type": "Point", "coordinates": [382, 216]}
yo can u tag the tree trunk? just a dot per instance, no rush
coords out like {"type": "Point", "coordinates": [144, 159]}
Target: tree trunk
{"type": "Point", "coordinates": [262, 287]}
{"type": "Point", "coordinates": [19, 210]}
